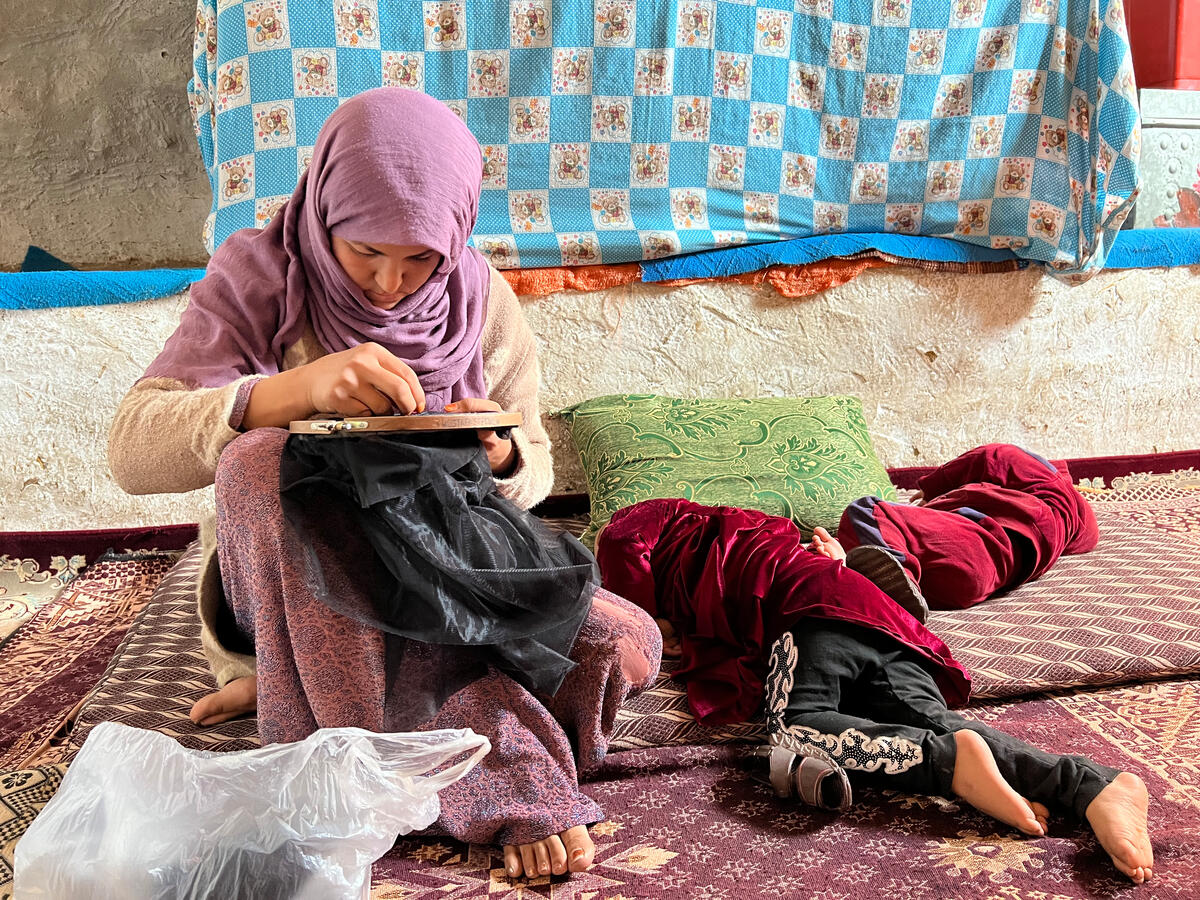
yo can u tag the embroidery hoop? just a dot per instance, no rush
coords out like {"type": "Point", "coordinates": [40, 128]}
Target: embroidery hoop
{"type": "Point", "coordinates": [500, 422]}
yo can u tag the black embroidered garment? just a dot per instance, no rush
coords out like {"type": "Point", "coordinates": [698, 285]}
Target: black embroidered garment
{"type": "Point", "coordinates": [461, 566]}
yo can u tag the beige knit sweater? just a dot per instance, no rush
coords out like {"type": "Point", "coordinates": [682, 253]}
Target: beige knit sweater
{"type": "Point", "coordinates": [167, 437]}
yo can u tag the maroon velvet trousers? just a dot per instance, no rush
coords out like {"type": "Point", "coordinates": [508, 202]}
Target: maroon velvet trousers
{"type": "Point", "coordinates": [990, 520]}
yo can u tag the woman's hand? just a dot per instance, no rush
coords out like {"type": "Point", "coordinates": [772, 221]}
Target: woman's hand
{"type": "Point", "coordinates": [362, 381]}
{"type": "Point", "coordinates": [502, 456]}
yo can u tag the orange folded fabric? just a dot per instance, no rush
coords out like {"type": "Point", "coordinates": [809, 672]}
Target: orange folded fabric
{"type": "Point", "coordinates": [541, 282]}
{"type": "Point", "coordinates": [789, 281]}
{"type": "Point", "coordinates": [798, 281]}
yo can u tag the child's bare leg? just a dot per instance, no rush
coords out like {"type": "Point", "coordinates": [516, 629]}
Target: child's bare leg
{"type": "Point", "coordinates": [1118, 818]}
{"type": "Point", "coordinates": [826, 544]}
{"type": "Point", "coordinates": [978, 781]}
{"type": "Point", "coordinates": [572, 850]}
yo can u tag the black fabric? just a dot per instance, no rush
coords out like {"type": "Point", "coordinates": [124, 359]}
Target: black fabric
{"type": "Point", "coordinates": [857, 680]}
{"type": "Point", "coordinates": [458, 564]}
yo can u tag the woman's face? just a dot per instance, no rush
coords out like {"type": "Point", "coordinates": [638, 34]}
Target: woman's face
{"type": "Point", "coordinates": [386, 273]}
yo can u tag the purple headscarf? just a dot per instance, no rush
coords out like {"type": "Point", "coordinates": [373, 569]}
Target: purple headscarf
{"type": "Point", "coordinates": [391, 166]}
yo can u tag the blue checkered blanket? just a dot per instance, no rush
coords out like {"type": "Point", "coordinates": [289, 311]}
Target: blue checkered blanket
{"type": "Point", "coordinates": [620, 130]}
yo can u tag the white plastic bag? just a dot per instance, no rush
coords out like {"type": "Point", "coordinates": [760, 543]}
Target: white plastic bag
{"type": "Point", "coordinates": [138, 816]}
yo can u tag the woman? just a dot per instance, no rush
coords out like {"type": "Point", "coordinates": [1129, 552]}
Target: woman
{"type": "Point", "coordinates": [362, 297]}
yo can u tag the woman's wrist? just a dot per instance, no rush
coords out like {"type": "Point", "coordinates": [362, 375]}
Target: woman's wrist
{"type": "Point", "coordinates": [276, 400]}
{"type": "Point", "coordinates": [506, 465]}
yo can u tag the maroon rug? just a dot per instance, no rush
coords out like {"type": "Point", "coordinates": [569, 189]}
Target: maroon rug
{"type": "Point", "coordinates": [697, 822]}
{"type": "Point", "coordinates": [43, 546]}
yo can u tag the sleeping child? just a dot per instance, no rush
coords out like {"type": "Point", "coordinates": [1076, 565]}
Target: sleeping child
{"type": "Point", "coordinates": [852, 680]}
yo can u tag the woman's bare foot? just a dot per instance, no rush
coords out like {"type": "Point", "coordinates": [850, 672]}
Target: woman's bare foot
{"type": "Point", "coordinates": [570, 851]}
{"type": "Point", "coordinates": [979, 782]}
{"type": "Point", "coordinates": [1041, 813]}
{"type": "Point", "coordinates": [826, 544]}
{"type": "Point", "coordinates": [1118, 817]}
{"type": "Point", "coordinates": [237, 698]}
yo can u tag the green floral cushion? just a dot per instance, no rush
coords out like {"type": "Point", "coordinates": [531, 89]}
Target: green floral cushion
{"type": "Point", "coordinates": [803, 458]}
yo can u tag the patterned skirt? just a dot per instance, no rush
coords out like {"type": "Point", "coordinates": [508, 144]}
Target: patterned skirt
{"type": "Point", "coordinates": [317, 668]}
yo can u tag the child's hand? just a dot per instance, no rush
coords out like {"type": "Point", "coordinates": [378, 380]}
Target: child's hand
{"type": "Point", "coordinates": [362, 381]}
{"type": "Point", "coordinates": [826, 545]}
{"type": "Point", "coordinates": [501, 454]}
{"type": "Point", "coordinates": [672, 649]}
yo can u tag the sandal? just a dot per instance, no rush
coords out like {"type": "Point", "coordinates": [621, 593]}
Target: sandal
{"type": "Point", "coordinates": [808, 774]}
{"type": "Point", "coordinates": [879, 566]}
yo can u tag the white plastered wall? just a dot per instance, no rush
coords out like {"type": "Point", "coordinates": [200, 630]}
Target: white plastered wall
{"type": "Point", "coordinates": [942, 362]}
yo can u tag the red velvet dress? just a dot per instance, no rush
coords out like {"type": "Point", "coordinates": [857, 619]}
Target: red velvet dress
{"type": "Point", "coordinates": [732, 581]}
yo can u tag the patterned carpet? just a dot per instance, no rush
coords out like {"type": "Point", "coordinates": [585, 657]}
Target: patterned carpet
{"type": "Point", "coordinates": [23, 793]}
{"type": "Point", "coordinates": [25, 586]}
{"type": "Point", "coordinates": [688, 816]}
{"type": "Point", "coordinates": [686, 823]}
{"type": "Point", "coordinates": [53, 660]}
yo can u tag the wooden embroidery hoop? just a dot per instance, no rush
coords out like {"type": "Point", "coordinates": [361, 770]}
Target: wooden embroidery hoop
{"type": "Point", "coordinates": [495, 421]}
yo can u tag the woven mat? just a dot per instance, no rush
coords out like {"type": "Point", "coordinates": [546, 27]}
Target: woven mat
{"type": "Point", "coordinates": [23, 793]}
{"type": "Point", "coordinates": [1128, 611]}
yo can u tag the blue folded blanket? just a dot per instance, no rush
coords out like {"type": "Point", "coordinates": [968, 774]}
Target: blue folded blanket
{"type": "Point", "coordinates": [752, 257]}
{"type": "Point", "coordinates": [1138, 249]}
{"type": "Point", "coordinates": [1135, 249]}
{"type": "Point", "coordinates": [41, 290]}
{"type": "Point", "coordinates": [1150, 248]}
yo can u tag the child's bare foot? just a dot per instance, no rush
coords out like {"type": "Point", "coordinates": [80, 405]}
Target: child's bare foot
{"type": "Point", "coordinates": [1118, 817]}
{"type": "Point", "coordinates": [979, 782]}
{"type": "Point", "coordinates": [237, 698]}
{"type": "Point", "coordinates": [570, 851]}
{"type": "Point", "coordinates": [826, 544]}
